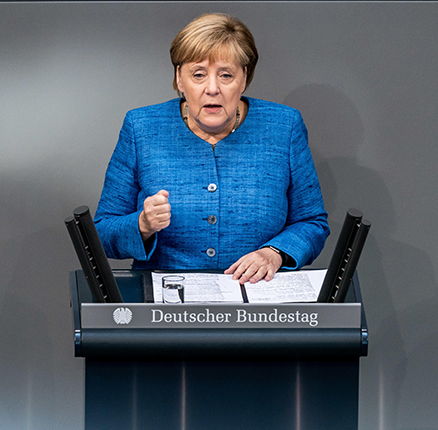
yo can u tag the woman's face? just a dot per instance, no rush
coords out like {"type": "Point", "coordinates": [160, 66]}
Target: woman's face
{"type": "Point", "coordinates": [212, 91]}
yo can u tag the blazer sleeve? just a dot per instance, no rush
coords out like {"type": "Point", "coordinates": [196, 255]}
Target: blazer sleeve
{"type": "Point", "coordinates": [306, 228]}
{"type": "Point", "coordinates": [118, 211]}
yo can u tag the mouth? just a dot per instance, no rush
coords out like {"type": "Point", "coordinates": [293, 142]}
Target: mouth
{"type": "Point", "coordinates": [212, 107]}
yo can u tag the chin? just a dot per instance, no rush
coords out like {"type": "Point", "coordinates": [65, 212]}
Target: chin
{"type": "Point", "coordinates": [214, 130]}
{"type": "Point", "coordinates": [212, 126]}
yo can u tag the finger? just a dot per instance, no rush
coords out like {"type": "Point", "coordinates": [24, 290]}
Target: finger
{"type": "Point", "coordinates": [163, 218]}
{"type": "Point", "coordinates": [264, 272]}
{"type": "Point", "coordinates": [160, 221]}
{"type": "Point", "coordinates": [151, 211]}
{"type": "Point", "coordinates": [163, 209]}
{"type": "Point", "coordinates": [233, 267]}
{"type": "Point", "coordinates": [241, 268]}
{"type": "Point", "coordinates": [158, 200]}
{"type": "Point", "coordinates": [270, 274]}
{"type": "Point", "coordinates": [260, 274]}
{"type": "Point", "coordinates": [247, 273]}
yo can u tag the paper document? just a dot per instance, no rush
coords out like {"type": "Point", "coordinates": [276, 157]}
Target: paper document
{"type": "Point", "coordinates": [202, 288]}
{"type": "Point", "coordinates": [287, 287]}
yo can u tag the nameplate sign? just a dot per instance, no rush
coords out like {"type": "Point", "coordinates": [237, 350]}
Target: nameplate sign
{"type": "Point", "coordinates": [213, 316]}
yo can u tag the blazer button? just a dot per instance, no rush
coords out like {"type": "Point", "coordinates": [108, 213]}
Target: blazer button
{"type": "Point", "coordinates": [212, 219]}
{"type": "Point", "coordinates": [212, 188]}
{"type": "Point", "coordinates": [211, 252]}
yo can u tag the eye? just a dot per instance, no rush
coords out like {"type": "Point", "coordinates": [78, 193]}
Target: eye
{"type": "Point", "coordinates": [226, 75]}
{"type": "Point", "coordinates": [198, 75]}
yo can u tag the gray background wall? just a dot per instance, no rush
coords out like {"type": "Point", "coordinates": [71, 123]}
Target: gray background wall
{"type": "Point", "coordinates": [364, 76]}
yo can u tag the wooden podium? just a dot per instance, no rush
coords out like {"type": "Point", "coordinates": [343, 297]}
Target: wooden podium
{"type": "Point", "coordinates": [201, 373]}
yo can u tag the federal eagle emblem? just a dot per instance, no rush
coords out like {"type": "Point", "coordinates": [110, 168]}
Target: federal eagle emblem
{"type": "Point", "coordinates": [122, 316]}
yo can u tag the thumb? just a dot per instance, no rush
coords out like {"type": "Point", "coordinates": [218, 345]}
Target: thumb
{"type": "Point", "coordinates": [163, 193]}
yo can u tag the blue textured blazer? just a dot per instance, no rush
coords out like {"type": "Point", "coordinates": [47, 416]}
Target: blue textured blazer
{"type": "Point", "coordinates": [258, 187]}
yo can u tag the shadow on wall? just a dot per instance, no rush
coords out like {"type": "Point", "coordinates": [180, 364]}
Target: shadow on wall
{"type": "Point", "coordinates": [42, 384]}
{"type": "Point", "coordinates": [336, 133]}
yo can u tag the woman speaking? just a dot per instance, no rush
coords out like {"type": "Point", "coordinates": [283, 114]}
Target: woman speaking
{"type": "Point", "coordinates": [213, 179]}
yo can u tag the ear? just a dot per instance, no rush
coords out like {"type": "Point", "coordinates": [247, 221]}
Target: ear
{"type": "Point", "coordinates": [178, 79]}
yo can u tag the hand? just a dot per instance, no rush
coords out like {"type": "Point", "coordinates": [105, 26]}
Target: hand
{"type": "Point", "coordinates": [256, 265]}
{"type": "Point", "coordinates": [155, 215]}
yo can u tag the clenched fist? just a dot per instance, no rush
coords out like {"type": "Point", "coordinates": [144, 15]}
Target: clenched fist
{"type": "Point", "coordinates": [155, 215]}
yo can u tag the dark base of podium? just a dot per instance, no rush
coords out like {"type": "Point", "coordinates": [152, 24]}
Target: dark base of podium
{"type": "Point", "coordinates": [299, 395]}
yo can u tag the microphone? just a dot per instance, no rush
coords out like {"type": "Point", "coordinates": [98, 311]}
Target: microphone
{"type": "Point", "coordinates": [345, 258]}
{"type": "Point", "coordinates": [92, 257]}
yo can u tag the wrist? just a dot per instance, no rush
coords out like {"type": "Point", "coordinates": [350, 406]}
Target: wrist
{"type": "Point", "coordinates": [283, 255]}
{"type": "Point", "coordinates": [145, 232]}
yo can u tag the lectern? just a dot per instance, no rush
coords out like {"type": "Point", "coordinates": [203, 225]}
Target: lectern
{"type": "Point", "coordinates": [206, 367]}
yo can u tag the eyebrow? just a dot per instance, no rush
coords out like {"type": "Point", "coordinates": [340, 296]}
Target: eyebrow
{"type": "Point", "coordinates": [197, 66]}
{"type": "Point", "coordinates": [220, 69]}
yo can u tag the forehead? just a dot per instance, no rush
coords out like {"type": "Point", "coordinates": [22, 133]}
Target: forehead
{"type": "Point", "coordinates": [221, 54]}
{"type": "Point", "coordinates": [214, 63]}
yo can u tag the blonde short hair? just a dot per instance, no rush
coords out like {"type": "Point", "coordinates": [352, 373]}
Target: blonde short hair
{"type": "Point", "coordinates": [214, 36]}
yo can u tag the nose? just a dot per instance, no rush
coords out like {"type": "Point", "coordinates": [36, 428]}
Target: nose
{"type": "Point", "coordinates": [212, 85]}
